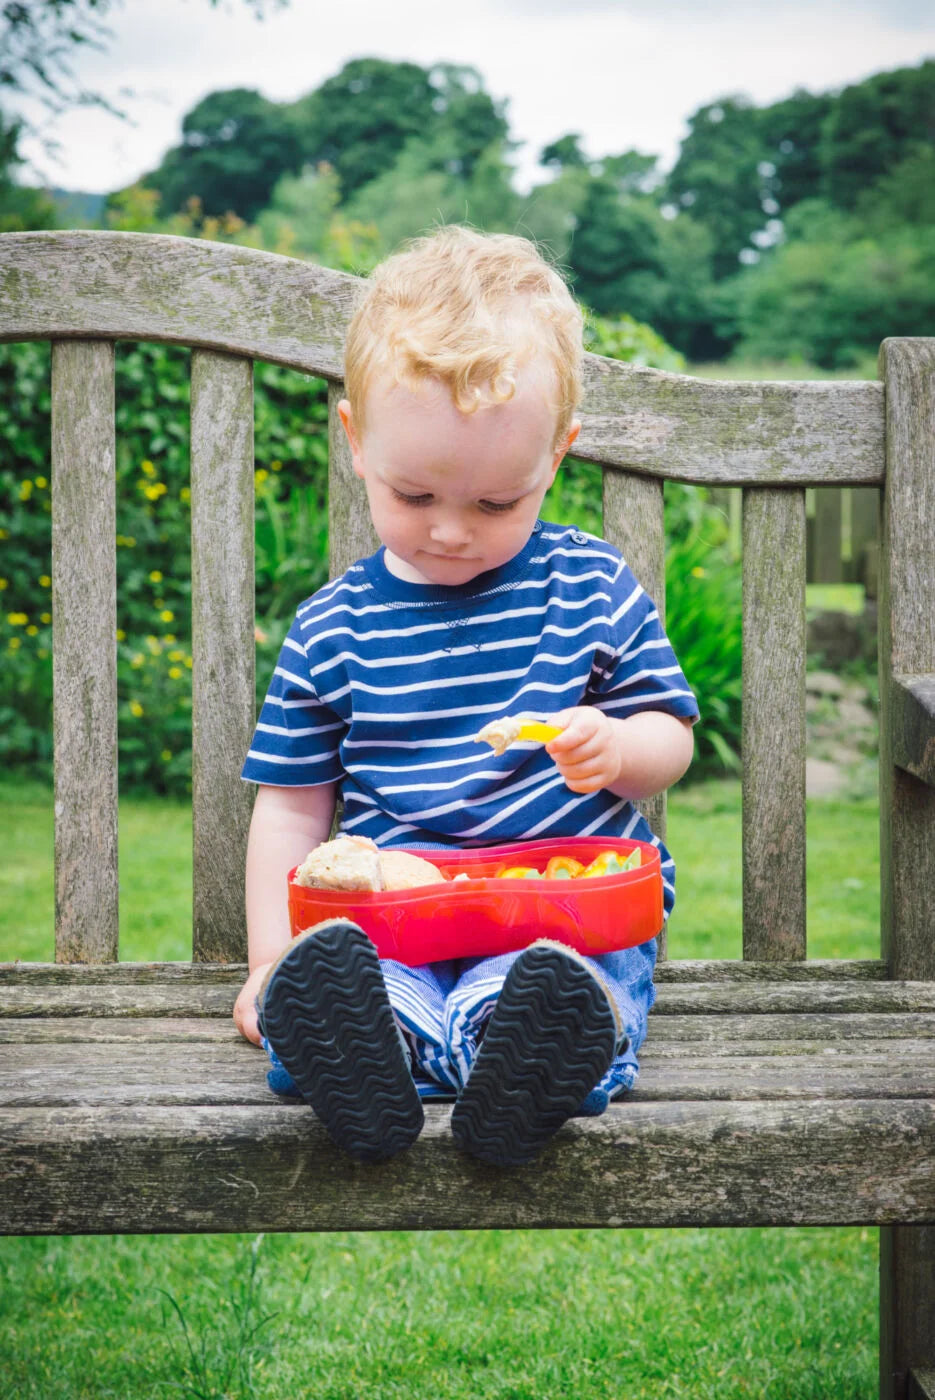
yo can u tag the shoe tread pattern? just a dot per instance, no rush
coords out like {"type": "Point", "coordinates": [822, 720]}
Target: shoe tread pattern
{"type": "Point", "coordinates": [327, 1015]}
{"type": "Point", "coordinates": [550, 1039]}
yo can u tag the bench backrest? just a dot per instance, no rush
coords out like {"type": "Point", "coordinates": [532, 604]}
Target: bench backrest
{"type": "Point", "coordinates": [82, 291]}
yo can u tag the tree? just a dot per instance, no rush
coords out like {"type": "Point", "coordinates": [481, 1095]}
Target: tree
{"type": "Point", "coordinates": [564, 154]}
{"type": "Point", "coordinates": [873, 126]}
{"type": "Point", "coordinates": [723, 176]}
{"type": "Point", "coordinates": [235, 146]}
{"type": "Point", "coordinates": [20, 208]}
{"type": "Point", "coordinates": [791, 133]}
{"type": "Point", "coordinates": [360, 120]}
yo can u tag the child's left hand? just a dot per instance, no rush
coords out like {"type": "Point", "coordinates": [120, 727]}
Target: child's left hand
{"type": "Point", "coordinates": [586, 752]}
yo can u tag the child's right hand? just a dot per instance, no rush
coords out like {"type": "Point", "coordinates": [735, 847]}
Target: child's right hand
{"type": "Point", "coordinates": [245, 1018]}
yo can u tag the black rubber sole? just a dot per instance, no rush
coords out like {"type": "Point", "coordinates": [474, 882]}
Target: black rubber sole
{"type": "Point", "coordinates": [550, 1039]}
{"type": "Point", "coordinates": [326, 1013]}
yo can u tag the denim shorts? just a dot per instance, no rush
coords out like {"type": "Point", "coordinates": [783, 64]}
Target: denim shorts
{"type": "Point", "coordinates": [441, 1009]}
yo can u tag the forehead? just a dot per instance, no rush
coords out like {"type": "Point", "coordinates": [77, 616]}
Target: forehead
{"type": "Point", "coordinates": [410, 422]}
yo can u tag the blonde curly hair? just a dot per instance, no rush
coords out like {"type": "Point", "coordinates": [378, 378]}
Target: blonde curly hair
{"type": "Point", "coordinates": [468, 309]}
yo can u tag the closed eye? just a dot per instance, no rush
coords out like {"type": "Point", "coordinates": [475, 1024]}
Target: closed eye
{"type": "Point", "coordinates": [427, 498]}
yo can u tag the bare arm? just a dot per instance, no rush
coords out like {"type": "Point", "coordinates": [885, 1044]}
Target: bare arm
{"type": "Point", "coordinates": [287, 823]}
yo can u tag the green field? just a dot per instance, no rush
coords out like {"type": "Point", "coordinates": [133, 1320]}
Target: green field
{"type": "Point", "coordinates": [777, 1315]}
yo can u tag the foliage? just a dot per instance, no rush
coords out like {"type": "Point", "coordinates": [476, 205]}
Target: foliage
{"type": "Point", "coordinates": [153, 550]}
{"type": "Point", "coordinates": [235, 145]}
{"type": "Point", "coordinates": [830, 290]}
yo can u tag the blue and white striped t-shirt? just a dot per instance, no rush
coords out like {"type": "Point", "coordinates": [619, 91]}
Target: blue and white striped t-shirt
{"type": "Point", "coordinates": [382, 685]}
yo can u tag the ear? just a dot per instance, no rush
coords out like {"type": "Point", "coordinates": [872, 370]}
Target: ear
{"type": "Point", "coordinates": [560, 451]}
{"type": "Point", "coordinates": [347, 422]}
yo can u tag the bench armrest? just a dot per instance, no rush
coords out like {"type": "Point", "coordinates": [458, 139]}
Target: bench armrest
{"type": "Point", "coordinates": [912, 714]}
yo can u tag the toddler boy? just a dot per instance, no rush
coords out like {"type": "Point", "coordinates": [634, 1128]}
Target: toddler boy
{"type": "Point", "coordinates": [462, 373]}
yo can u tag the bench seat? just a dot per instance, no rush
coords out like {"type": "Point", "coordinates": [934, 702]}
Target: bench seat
{"type": "Point", "coordinates": [802, 1096]}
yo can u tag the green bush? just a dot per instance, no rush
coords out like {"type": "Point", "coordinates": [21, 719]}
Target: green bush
{"type": "Point", "coordinates": [153, 547]}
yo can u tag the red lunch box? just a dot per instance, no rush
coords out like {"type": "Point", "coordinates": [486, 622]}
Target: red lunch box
{"type": "Point", "coordinates": [487, 915]}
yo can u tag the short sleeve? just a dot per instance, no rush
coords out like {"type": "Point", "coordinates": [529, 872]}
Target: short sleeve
{"type": "Point", "coordinates": [640, 670]}
{"type": "Point", "coordinates": [296, 740]}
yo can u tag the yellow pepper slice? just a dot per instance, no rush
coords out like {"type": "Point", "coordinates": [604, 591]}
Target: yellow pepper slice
{"type": "Point", "coordinates": [563, 868]}
{"type": "Point", "coordinates": [612, 863]}
{"type": "Point", "coordinates": [519, 872]}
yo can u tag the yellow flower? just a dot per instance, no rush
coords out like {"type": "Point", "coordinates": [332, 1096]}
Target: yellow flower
{"type": "Point", "coordinates": [121, 635]}
{"type": "Point", "coordinates": [41, 482]}
{"type": "Point", "coordinates": [127, 540]}
{"type": "Point", "coordinates": [176, 656]}
{"type": "Point", "coordinates": [17, 619]}
{"type": "Point", "coordinates": [188, 662]}
{"type": "Point", "coordinates": [169, 638]}
{"type": "Point", "coordinates": [32, 629]}
{"type": "Point", "coordinates": [4, 583]}
{"type": "Point", "coordinates": [45, 617]}
{"type": "Point", "coordinates": [45, 581]}
{"type": "Point", "coordinates": [14, 644]}
{"type": "Point", "coordinates": [276, 466]}
{"type": "Point", "coordinates": [260, 476]}
{"type": "Point", "coordinates": [166, 755]}
{"type": "Point", "coordinates": [43, 652]}
{"type": "Point", "coordinates": [185, 494]}
{"type": "Point", "coordinates": [137, 661]}
{"type": "Point", "coordinates": [25, 490]}
{"type": "Point", "coordinates": [698, 572]}
{"type": "Point", "coordinates": [4, 534]}
{"type": "Point", "coordinates": [155, 576]}
{"type": "Point", "coordinates": [167, 615]}
{"type": "Point", "coordinates": [147, 468]}
{"type": "Point", "coordinates": [175, 672]}
{"type": "Point", "coordinates": [136, 708]}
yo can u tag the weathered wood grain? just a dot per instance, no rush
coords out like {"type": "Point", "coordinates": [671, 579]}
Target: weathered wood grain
{"type": "Point", "coordinates": [907, 647]}
{"type": "Point", "coordinates": [223, 684]}
{"type": "Point", "coordinates": [801, 1033]}
{"type": "Point", "coordinates": [132, 286]}
{"type": "Point", "coordinates": [84, 650]}
{"type": "Point", "coordinates": [773, 724]}
{"type": "Point", "coordinates": [181, 1169]}
{"type": "Point", "coordinates": [351, 535]}
{"type": "Point", "coordinates": [912, 712]}
{"type": "Point", "coordinates": [921, 1385]}
{"type": "Point", "coordinates": [676, 970]}
{"type": "Point", "coordinates": [679, 998]}
{"type": "Point", "coordinates": [111, 1074]}
{"type": "Point", "coordinates": [907, 1306]}
{"type": "Point", "coordinates": [634, 522]}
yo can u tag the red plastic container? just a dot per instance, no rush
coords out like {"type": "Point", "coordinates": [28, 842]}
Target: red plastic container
{"type": "Point", "coordinates": [486, 915]}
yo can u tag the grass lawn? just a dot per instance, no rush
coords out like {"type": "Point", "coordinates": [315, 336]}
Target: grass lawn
{"type": "Point", "coordinates": [778, 1315]}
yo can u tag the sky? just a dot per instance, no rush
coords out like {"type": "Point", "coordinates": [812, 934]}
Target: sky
{"type": "Point", "coordinates": [622, 73]}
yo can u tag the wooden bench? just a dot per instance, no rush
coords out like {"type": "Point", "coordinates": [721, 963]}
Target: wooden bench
{"type": "Point", "coordinates": [774, 1090]}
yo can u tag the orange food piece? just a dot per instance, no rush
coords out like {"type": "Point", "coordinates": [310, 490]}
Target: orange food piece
{"type": "Point", "coordinates": [563, 868]}
{"type": "Point", "coordinates": [612, 863]}
{"type": "Point", "coordinates": [518, 872]}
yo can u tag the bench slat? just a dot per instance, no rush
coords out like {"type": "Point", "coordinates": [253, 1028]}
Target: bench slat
{"type": "Point", "coordinates": [679, 998]}
{"type": "Point", "coordinates": [84, 650]}
{"type": "Point", "coordinates": [351, 535]}
{"type": "Point", "coordinates": [223, 683]}
{"type": "Point", "coordinates": [634, 522]}
{"type": "Point", "coordinates": [251, 1168]}
{"type": "Point", "coordinates": [777, 1034]}
{"type": "Point", "coordinates": [110, 1074]}
{"type": "Point", "coordinates": [773, 724]}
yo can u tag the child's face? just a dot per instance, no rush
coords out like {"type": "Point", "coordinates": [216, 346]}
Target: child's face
{"type": "Point", "coordinates": [452, 494]}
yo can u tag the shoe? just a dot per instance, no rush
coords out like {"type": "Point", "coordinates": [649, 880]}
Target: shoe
{"type": "Point", "coordinates": [324, 1008]}
{"type": "Point", "coordinates": [551, 1038]}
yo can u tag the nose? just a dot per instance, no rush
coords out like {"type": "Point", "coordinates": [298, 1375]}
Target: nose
{"type": "Point", "coordinates": [450, 532]}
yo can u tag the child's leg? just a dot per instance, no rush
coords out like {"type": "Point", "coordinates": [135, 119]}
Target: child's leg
{"type": "Point", "coordinates": [628, 975]}
{"type": "Point", "coordinates": [551, 1038]}
{"type": "Point", "coordinates": [325, 1013]}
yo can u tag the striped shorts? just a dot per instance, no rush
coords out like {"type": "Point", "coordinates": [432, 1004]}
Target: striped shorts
{"type": "Point", "coordinates": [441, 1010]}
